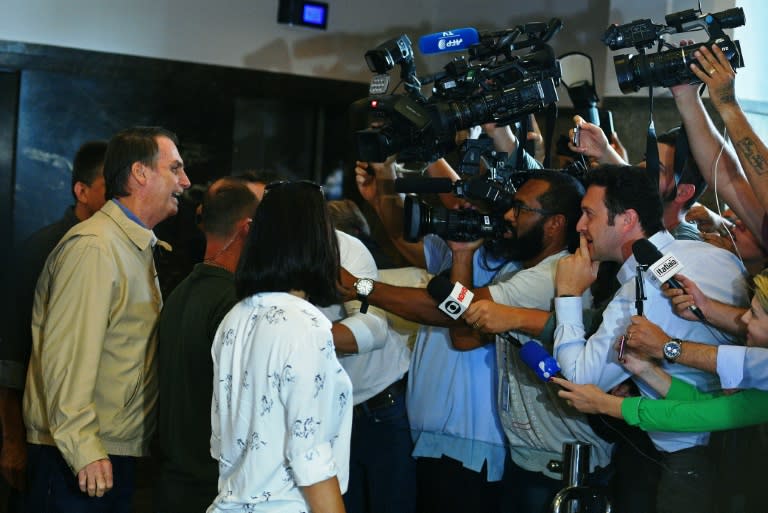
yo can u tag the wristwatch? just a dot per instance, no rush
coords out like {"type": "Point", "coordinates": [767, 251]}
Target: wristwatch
{"type": "Point", "coordinates": [673, 349]}
{"type": "Point", "coordinates": [363, 287]}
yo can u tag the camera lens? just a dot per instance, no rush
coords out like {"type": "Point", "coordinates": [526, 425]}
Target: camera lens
{"type": "Point", "coordinates": [624, 73]}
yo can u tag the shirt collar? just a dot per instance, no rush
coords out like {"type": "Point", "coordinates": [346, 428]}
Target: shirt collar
{"type": "Point", "coordinates": [133, 228]}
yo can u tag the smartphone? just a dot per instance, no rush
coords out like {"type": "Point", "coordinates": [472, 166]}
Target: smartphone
{"type": "Point", "coordinates": [575, 136]}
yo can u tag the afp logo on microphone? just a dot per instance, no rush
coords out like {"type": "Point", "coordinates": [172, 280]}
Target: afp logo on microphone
{"type": "Point", "coordinates": [449, 40]}
{"type": "Point", "coordinates": [457, 301]}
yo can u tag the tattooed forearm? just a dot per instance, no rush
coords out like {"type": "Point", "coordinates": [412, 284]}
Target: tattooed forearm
{"type": "Point", "coordinates": [751, 153]}
{"type": "Point", "coordinates": [727, 97]}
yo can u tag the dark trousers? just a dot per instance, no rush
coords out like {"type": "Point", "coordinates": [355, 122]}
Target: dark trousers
{"type": "Point", "coordinates": [447, 486]}
{"type": "Point", "coordinates": [687, 481]}
{"type": "Point", "coordinates": [53, 488]}
{"type": "Point", "coordinates": [382, 472]}
{"type": "Point", "coordinates": [533, 492]}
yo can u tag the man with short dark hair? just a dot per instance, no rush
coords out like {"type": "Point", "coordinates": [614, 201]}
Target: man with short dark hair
{"type": "Point", "coordinates": [91, 390]}
{"type": "Point", "coordinates": [186, 329]}
{"type": "Point", "coordinates": [680, 181]}
{"type": "Point", "coordinates": [621, 206]}
{"type": "Point", "coordinates": [88, 194]}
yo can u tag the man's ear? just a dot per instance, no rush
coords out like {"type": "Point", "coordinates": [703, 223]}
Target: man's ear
{"type": "Point", "coordinates": [556, 221]}
{"type": "Point", "coordinates": [80, 190]}
{"type": "Point", "coordinates": [685, 191]}
{"type": "Point", "coordinates": [139, 172]}
{"type": "Point", "coordinates": [246, 225]}
{"type": "Point", "coordinates": [630, 218]}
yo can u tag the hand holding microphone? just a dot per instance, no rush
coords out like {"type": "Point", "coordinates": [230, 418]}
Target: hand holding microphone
{"type": "Point", "coordinates": [684, 299]}
{"type": "Point", "coordinates": [454, 300]}
{"type": "Point", "coordinates": [663, 267]}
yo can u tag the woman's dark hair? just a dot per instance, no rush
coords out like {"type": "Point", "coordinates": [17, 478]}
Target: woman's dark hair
{"type": "Point", "coordinates": [137, 144]}
{"type": "Point", "coordinates": [291, 246]}
{"type": "Point", "coordinates": [628, 187]}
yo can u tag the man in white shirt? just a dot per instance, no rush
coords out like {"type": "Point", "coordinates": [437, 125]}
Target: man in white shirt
{"type": "Point", "coordinates": [621, 206]}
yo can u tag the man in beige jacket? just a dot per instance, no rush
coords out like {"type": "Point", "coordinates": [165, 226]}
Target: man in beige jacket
{"type": "Point", "coordinates": [92, 386]}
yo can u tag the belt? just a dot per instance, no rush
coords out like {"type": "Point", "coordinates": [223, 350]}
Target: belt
{"type": "Point", "coordinates": [383, 399]}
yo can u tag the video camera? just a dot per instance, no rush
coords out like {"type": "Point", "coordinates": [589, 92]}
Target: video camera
{"type": "Point", "coordinates": [670, 67]}
{"type": "Point", "coordinates": [496, 187]}
{"type": "Point", "coordinates": [492, 85]}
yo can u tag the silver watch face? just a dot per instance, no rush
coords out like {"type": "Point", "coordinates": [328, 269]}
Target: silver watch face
{"type": "Point", "coordinates": [364, 286]}
{"type": "Point", "coordinates": [672, 350]}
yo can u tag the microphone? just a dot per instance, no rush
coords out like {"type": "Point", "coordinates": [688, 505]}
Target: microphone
{"type": "Point", "coordinates": [455, 40]}
{"type": "Point", "coordinates": [663, 267]}
{"type": "Point", "coordinates": [421, 185]}
{"type": "Point", "coordinates": [539, 360]}
{"type": "Point", "coordinates": [453, 299]}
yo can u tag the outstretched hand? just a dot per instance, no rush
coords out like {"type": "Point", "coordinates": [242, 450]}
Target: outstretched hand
{"type": "Point", "coordinates": [683, 299]}
{"type": "Point", "coordinates": [593, 143]}
{"type": "Point", "coordinates": [645, 337]}
{"type": "Point", "coordinates": [368, 173]}
{"type": "Point", "coordinates": [588, 398]}
{"type": "Point", "coordinates": [714, 69]}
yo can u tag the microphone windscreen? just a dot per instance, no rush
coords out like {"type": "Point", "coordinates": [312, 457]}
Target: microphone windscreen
{"type": "Point", "coordinates": [645, 252]}
{"type": "Point", "coordinates": [439, 288]}
{"type": "Point", "coordinates": [539, 360]}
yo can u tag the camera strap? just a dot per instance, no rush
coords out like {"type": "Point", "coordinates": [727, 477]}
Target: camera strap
{"type": "Point", "coordinates": [549, 132]}
{"type": "Point", "coordinates": [651, 147]}
{"type": "Point", "coordinates": [523, 145]}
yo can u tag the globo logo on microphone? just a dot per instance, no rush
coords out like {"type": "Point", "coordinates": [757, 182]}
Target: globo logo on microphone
{"type": "Point", "coordinates": [457, 301]}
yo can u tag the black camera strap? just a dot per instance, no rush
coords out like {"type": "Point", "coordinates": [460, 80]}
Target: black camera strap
{"type": "Point", "coordinates": [549, 133]}
{"type": "Point", "coordinates": [523, 145]}
{"type": "Point", "coordinates": [651, 146]}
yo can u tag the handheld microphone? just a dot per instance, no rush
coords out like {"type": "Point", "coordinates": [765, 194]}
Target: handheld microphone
{"type": "Point", "coordinates": [422, 185]}
{"type": "Point", "coordinates": [455, 40]}
{"type": "Point", "coordinates": [539, 360]}
{"type": "Point", "coordinates": [663, 267]}
{"type": "Point", "coordinates": [453, 299]}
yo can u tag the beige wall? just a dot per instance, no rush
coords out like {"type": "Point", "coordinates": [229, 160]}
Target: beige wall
{"type": "Point", "coordinates": [244, 33]}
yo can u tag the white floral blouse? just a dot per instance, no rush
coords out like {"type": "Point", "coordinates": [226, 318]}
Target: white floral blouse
{"type": "Point", "coordinates": [281, 412]}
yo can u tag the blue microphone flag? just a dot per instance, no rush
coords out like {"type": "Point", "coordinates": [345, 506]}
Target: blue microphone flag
{"type": "Point", "coordinates": [455, 40]}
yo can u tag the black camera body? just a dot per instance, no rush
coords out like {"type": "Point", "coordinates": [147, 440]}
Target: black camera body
{"type": "Point", "coordinates": [493, 85]}
{"type": "Point", "coordinates": [672, 66]}
{"type": "Point", "coordinates": [419, 219]}
{"type": "Point", "coordinates": [496, 188]}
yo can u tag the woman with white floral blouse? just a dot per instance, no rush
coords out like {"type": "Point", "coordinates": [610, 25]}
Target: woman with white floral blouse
{"type": "Point", "coordinates": [282, 405]}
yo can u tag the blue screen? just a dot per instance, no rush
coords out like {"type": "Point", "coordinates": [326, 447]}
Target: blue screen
{"type": "Point", "coordinates": [314, 14]}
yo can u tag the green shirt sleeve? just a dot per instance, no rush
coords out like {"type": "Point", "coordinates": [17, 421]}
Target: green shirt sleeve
{"type": "Point", "coordinates": [688, 410]}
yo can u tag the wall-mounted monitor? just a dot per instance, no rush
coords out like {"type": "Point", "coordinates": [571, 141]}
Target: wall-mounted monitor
{"type": "Point", "coordinates": [304, 13]}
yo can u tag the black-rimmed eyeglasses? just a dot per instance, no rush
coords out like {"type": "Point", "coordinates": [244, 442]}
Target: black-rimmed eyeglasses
{"type": "Point", "coordinates": [517, 206]}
